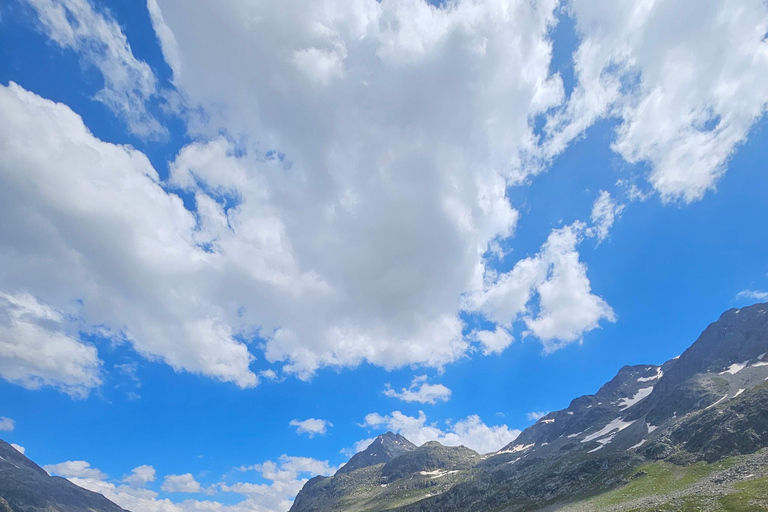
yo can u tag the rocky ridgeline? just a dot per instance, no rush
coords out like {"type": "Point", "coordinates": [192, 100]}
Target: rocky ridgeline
{"type": "Point", "coordinates": [707, 404]}
{"type": "Point", "coordinates": [26, 487]}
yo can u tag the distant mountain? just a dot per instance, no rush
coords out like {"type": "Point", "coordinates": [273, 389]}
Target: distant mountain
{"type": "Point", "coordinates": [383, 449]}
{"type": "Point", "coordinates": [691, 434]}
{"type": "Point", "coordinates": [26, 487]}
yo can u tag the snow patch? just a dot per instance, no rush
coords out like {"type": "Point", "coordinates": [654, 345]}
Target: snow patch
{"type": "Point", "coordinates": [650, 427]}
{"type": "Point", "coordinates": [517, 448]}
{"type": "Point", "coordinates": [626, 403]}
{"type": "Point", "coordinates": [550, 420]}
{"type": "Point", "coordinates": [735, 368]}
{"type": "Point", "coordinates": [761, 356]}
{"type": "Point", "coordinates": [761, 363]}
{"type": "Point", "coordinates": [739, 392]}
{"type": "Point", "coordinates": [658, 375]}
{"type": "Point", "coordinates": [714, 404]}
{"type": "Point", "coordinates": [437, 473]}
{"type": "Point", "coordinates": [616, 425]}
{"type": "Point", "coordinates": [577, 434]}
{"type": "Point", "coordinates": [638, 445]}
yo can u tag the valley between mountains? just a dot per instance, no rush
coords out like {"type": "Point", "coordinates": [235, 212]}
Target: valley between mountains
{"type": "Point", "coordinates": [688, 435]}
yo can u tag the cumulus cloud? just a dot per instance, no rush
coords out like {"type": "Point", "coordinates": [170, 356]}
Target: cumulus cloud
{"type": "Point", "coordinates": [97, 38]}
{"type": "Point", "coordinates": [752, 295]}
{"type": "Point", "coordinates": [140, 476]}
{"type": "Point", "coordinates": [285, 477]}
{"type": "Point", "coordinates": [402, 187]}
{"type": "Point", "coordinates": [311, 426]}
{"type": "Point", "coordinates": [75, 469]}
{"type": "Point", "coordinates": [684, 78]}
{"type": "Point", "coordinates": [95, 235]}
{"type": "Point", "coordinates": [181, 483]}
{"type": "Point", "coordinates": [535, 416]}
{"type": "Point", "coordinates": [19, 448]}
{"type": "Point", "coordinates": [7, 424]}
{"type": "Point", "coordinates": [493, 342]}
{"type": "Point", "coordinates": [353, 219]}
{"type": "Point", "coordinates": [420, 391]}
{"type": "Point", "coordinates": [567, 308]}
{"type": "Point", "coordinates": [39, 347]}
{"type": "Point", "coordinates": [470, 432]}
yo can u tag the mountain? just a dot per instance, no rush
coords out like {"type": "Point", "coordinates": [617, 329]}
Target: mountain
{"type": "Point", "coordinates": [383, 449]}
{"type": "Point", "coordinates": [415, 473]}
{"type": "Point", "coordinates": [26, 487]}
{"type": "Point", "coordinates": [690, 434]}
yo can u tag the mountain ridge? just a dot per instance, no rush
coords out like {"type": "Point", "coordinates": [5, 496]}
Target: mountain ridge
{"type": "Point", "coordinates": [707, 404]}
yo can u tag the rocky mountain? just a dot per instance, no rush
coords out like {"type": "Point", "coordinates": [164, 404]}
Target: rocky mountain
{"type": "Point", "coordinates": [383, 449]}
{"type": "Point", "coordinates": [668, 437]}
{"type": "Point", "coordinates": [26, 487]}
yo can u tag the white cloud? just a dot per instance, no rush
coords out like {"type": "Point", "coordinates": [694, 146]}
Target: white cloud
{"type": "Point", "coordinates": [96, 236]}
{"type": "Point", "coordinates": [376, 143]}
{"type": "Point", "coordinates": [19, 448]}
{"type": "Point", "coordinates": [40, 347]}
{"type": "Point", "coordinates": [420, 391]}
{"type": "Point", "coordinates": [286, 478]}
{"type": "Point", "coordinates": [752, 295]}
{"type": "Point", "coordinates": [74, 469]}
{"type": "Point", "coordinates": [7, 424]}
{"type": "Point", "coordinates": [97, 38]}
{"type": "Point", "coordinates": [470, 432]}
{"type": "Point", "coordinates": [685, 79]}
{"type": "Point", "coordinates": [140, 476]}
{"type": "Point", "coordinates": [604, 213]}
{"type": "Point", "coordinates": [536, 415]}
{"type": "Point", "coordinates": [493, 342]}
{"type": "Point", "coordinates": [566, 306]}
{"type": "Point", "coordinates": [181, 483]}
{"type": "Point", "coordinates": [311, 426]}
{"type": "Point", "coordinates": [390, 190]}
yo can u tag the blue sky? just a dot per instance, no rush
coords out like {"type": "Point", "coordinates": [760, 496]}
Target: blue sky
{"type": "Point", "coordinates": [222, 221]}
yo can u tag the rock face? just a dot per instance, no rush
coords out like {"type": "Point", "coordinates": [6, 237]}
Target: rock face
{"type": "Point", "coordinates": [709, 403]}
{"type": "Point", "coordinates": [26, 487]}
{"type": "Point", "coordinates": [383, 449]}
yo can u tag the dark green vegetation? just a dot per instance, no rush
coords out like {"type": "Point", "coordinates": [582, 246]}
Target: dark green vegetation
{"type": "Point", "coordinates": [26, 487]}
{"type": "Point", "coordinates": [689, 435]}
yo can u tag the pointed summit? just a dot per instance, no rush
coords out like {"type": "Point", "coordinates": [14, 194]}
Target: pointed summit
{"type": "Point", "coordinates": [383, 449]}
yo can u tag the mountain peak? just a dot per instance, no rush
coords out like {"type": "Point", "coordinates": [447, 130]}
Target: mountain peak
{"type": "Point", "coordinates": [383, 449]}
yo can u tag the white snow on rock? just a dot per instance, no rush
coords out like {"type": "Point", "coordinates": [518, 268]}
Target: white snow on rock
{"type": "Point", "coordinates": [714, 404]}
{"type": "Point", "coordinates": [735, 368]}
{"type": "Point", "coordinates": [761, 363]}
{"type": "Point", "coordinates": [626, 403]}
{"type": "Point", "coordinates": [517, 448]}
{"type": "Point", "coordinates": [761, 356]}
{"type": "Point", "coordinates": [616, 425]}
{"type": "Point", "coordinates": [739, 392]}
{"type": "Point", "coordinates": [550, 420]}
{"type": "Point", "coordinates": [658, 375]}
{"type": "Point", "coordinates": [437, 473]}
{"type": "Point", "coordinates": [571, 436]}
{"type": "Point", "coordinates": [638, 445]}
{"type": "Point", "coordinates": [650, 427]}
